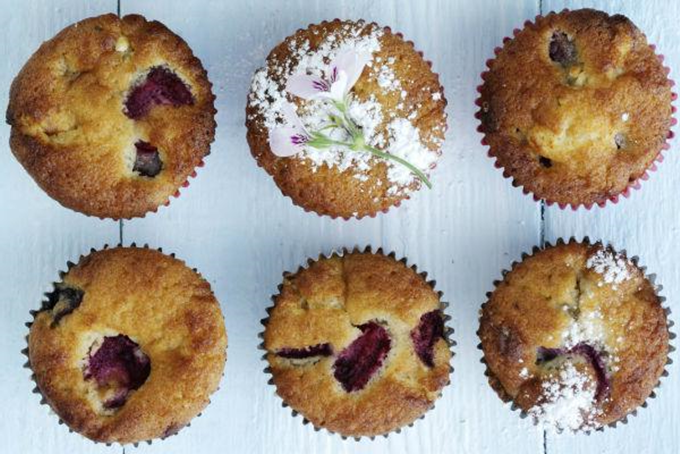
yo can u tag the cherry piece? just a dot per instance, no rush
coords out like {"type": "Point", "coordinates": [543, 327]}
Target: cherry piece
{"type": "Point", "coordinates": [161, 87]}
{"type": "Point", "coordinates": [562, 49]}
{"type": "Point", "coordinates": [62, 301]}
{"type": "Point", "coordinates": [306, 352]}
{"type": "Point", "coordinates": [147, 161]}
{"type": "Point", "coordinates": [426, 334]}
{"type": "Point", "coordinates": [587, 352]}
{"type": "Point", "coordinates": [357, 363]}
{"type": "Point", "coordinates": [118, 364]}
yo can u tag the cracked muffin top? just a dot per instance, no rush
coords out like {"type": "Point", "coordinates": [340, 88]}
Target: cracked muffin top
{"type": "Point", "coordinates": [111, 116]}
{"type": "Point", "coordinates": [129, 346]}
{"type": "Point", "coordinates": [576, 336]}
{"type": "Point", "coordinates": [347, 117]}
{"type": "Point", "coordinates": [576, 107]}
{"type": "Point", "coordinates": [357, 344]}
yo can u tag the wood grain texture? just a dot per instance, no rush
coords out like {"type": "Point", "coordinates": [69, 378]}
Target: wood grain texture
{"type": "Point", "coordinates": [646, 225]}
{"type": "Point", "coordinates": [37, 237]}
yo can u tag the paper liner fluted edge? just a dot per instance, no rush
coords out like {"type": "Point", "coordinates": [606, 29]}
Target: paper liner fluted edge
{"type": "Point", "coordinates": [35, 312]}
{"type": "Point", "coordinates": [614, 199]}
{"type": "Point", "coordinates": [408, 193]}
{"type": "Point", "coordinates": [494, 382]}
{"type": "Point", "coordinates": [341, 252]}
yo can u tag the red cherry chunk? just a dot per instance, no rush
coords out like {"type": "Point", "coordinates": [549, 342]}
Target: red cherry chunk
{"type": "Point", "coordinates": [357, 363]}
{"type": "Point", "coordinates": [118, 364]}
{"type": "Point", "coordinates": [160, 87]}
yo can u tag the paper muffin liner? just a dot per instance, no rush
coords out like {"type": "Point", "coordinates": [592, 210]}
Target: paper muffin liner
{"type": "Point", "coordinates": [434, 166]}
{"type": "Point", "coordinates": [44, 306]}
{"type": "Point", "coordinates": [495, 383]}
{"type": "Point", "coordinates": [614, 199]}
{"type": "Point", "coordinates": [448, 334]}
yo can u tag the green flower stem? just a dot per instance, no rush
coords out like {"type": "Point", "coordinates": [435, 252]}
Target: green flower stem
{"type": "Point", "coordinates": [419, 173]}
{"type": "Point", "coordinates": [361, 146]}
{"type": "Point", "coordinates": [320, 140]}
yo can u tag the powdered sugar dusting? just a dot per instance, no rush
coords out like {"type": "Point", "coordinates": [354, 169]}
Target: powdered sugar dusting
{"type": "Point", "coordinates": [613, 267]}
{"type": "Point", "coordinates": [568, 401]}
{"type": "Point", "coordinates": [588, 328]}
{"type": "Point", "coordinates": [388, 132]}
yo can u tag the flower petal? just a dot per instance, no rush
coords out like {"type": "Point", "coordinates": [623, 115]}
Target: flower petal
{"type": "Point", "coordinates": [292, 119]}
{"type": "Point", "coordinates": [281, 142]}
{"type": "Point", "coordinates": [352, 63]}
{"type": "Point", "coordinates": [339, 88]}
{"type": "Point", "coordinates": [305, 86]}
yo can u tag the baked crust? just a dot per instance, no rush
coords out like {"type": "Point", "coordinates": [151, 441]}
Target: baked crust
{"type": "Point", "coordinates": [162, 305]}
{"type": "Point", "coordinates": [534, 306]}
{"type": "Point", "coordinates": [69, 129]}
{"type": "Point", "coordinates": [325, 303]}
{"type": "Point", "coordinates": [328, 190]}
{"type": "Point", "coordinates": [553, 127]}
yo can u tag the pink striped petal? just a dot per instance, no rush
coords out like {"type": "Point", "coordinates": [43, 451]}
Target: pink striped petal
{"type": "Point", "coordinates": [281, 142]}
{"type": "Point", "coordinates": [305, 86]}
{"type": "Point", "coordinates": [291, 117]}
{"type": "Point", "coordinates": [352, 63]}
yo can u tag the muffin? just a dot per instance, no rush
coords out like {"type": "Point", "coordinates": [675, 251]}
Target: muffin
{"type": "Point", "coordinates": [357, 343]}
{"type": "Point", "coordinates": [129, 346]}
{"type": "Point", "coordinates": [347, 117]}
{"type": "Point", "coordinates": [590, 115]}
{"type": "Point", "coordinates": [576, 336]}
{"type": "Point", "coordinates": [111, 116]}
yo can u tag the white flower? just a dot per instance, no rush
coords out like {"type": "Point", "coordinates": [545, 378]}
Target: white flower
{"type": "Point", "coordinates": [344, 72]}
{"type": "Point", "coordinates": [289, 140]}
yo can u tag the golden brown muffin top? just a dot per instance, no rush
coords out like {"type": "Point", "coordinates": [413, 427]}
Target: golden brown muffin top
{"type": "Point", "coordinates": [111, 116]}
{"type": "Point", "coordinates": [576, 107]}
{"type": "Point", "coordinates": [129, 346]}
{"type": "Point", "coordinates": [397, 103]}
{"type": "Point", "coordinates": [356, 344]}
{"type": "Point", "coordinates": [576, 335]}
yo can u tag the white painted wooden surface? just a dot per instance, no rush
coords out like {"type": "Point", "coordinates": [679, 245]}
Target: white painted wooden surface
{"type": "Point", "coordinates": [236, 228]}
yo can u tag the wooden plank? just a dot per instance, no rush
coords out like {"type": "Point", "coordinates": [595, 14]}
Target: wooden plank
{"type": "Point", "coordinates": [233, 224]}
{"type": "Point", "coordinates": [646, 225]}
{"type": "Point", "coordinates": [37, 237]}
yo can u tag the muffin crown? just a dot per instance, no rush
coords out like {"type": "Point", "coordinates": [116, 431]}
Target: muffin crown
{"type": "Point", "coordinates": [111, 116]}
{"type": "Point", "coordinates": [591, 115]}
{"type": "Point", "coordinates": [575, 335]}
{"type": "Point", "coordinates": [129, 346]}
{"type": "Point", "coordinates": [357, 344]}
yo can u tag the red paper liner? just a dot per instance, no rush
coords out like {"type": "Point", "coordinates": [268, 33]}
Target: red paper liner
{"type": "Point", "coordinates": [407, 196]}
{"type": "Point", "coordinates": [635, 185]}
{"type": "Point", "coordinates": [495, 383]}
{"type": "Point", "coordinates": [27, 364]}
{"type": "Point", "coordinates": [448, 333]}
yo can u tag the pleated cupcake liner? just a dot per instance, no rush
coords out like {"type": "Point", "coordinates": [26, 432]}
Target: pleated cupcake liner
{"type": "Point", "coordinates": [448, 335]}
{"type": "Point", "coordinates": [408, 195]}
{"type": "Point", "coordinates": [614, 199]}
{"type": "Point", "coordinates": [45, 306]}
{"type": "Point", "coordinates": [495, 383]}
